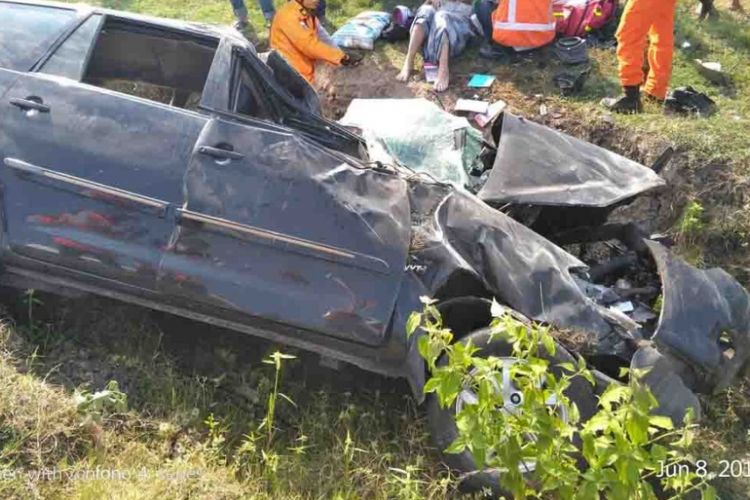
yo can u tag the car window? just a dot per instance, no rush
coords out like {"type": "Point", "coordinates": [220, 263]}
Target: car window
{"type": "Point", "coordinates": [248, 98]}
{"type": "Point", "coordinates": [27, 30]}
{"type": "Point", "coordinates": [161, 65]}
{"type": "Point", "coordinates": [70, 58]}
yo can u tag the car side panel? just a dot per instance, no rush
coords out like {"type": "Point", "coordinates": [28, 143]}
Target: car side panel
{"type": "Point", "coordinates": [290, 232]}
{"type": "Point", "coordinates": [91, 183]}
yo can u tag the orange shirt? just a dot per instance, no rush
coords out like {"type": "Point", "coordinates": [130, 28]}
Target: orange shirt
{"type": "Point", "coordinates": [294, 34]}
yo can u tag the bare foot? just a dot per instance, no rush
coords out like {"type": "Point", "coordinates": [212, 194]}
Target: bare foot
{"type": "Point", "coordinates": [405, 73]}
{"type": "Point", "coordinates": [443, 79]}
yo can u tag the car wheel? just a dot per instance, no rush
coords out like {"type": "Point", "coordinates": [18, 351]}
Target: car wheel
{"type": "Point", "coordinates": [442, 420]}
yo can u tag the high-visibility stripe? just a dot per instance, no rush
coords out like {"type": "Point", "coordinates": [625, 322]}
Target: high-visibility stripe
{"type": "Point", "coordinates": [512, 26]}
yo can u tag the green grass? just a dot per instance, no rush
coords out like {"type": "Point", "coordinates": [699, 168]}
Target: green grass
{"type": "Point", "coordinates": [350, 435]}
{"type": "Point", "coordinates": [196, 398]}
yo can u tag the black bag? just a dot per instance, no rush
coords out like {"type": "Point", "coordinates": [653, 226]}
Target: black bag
{"type": "Point", "coordinates": [395, 33]}
{"type": "Point", "coordinates": [687, 100]}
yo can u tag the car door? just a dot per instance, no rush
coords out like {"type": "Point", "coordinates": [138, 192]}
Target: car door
{"type": "Point", "coordinates": [277, 227]}
{"type": "Point", "coordinates": [89, 175]}
{"type": "Point", "coordinates": [26, 32]}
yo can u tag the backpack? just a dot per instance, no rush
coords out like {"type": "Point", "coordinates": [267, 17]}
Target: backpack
{"type": "Point", "coordinates": [580, 17]}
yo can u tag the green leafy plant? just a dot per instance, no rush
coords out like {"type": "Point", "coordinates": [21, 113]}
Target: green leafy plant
{"type": "Point", "coordinates": [258, 443]}
{"type": "Point", "coordinates": [544, 449]}
{"type": "Point", "coordinates": [691, 224]}
{"type": "Point", "coordinates": [98, 404]}
{"type": "Point", "coordinates": [276, 359]}
{"type": "Point", "coordinates": [31, 301]}
{"type": "Point", "coordinates": [404, 483]}
{"type": "Point", "coordinates": [216, 441]}
{"type": "Point", "coordinates": [688, 229]}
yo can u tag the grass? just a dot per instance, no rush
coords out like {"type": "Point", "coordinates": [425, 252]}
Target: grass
{"type": "Point", "coordinates": [196, 399]}
{"type": "Point", "coordinates": [197, 395]}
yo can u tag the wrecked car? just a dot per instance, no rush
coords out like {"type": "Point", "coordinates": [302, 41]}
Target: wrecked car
{"type": "Point", "coordinates": [190, 175]}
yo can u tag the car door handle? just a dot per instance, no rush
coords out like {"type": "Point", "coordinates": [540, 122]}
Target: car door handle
{"type": "Point", "coordinates": [219, 153]}
{"type": "Point", "coordinates": [30, 103]}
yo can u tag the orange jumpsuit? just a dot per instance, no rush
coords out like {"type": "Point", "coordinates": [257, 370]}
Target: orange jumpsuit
{"type": "Point", "coordinates": [294, 33]}
{"type": "Point", "coordinates": [641, 19]}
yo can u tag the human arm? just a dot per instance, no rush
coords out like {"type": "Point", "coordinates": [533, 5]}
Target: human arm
{"type": "Point", "coordinates": [307, 41]}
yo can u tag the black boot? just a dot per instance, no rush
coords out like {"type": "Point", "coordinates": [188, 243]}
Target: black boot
{"type": "Point", "coordinates": [629, 104]}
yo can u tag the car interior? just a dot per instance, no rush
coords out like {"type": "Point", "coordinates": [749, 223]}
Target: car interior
{"type": "Point", "coordinates": [163, 66]}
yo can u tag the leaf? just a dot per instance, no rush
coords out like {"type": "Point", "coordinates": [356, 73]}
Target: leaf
{"type": "Point", "coordinates": [457, 446]}
{"type": "Point", "coordinates": [709, 493]}
{"type": "Point", "coordinates": [658, 453]}
{"type": "Point", "coordinates": [549, 344]}
{"type": "Point", "coordinates": [597, 423]}
{"type": "Point", "coordinates": [288, 399]}
{"type": "Point", "coordinates": [637, 432]}
{"type": "Point", "coordinates": [661, 422]}
{"type": "Point", "coordinates": [450, 387]}
{"type": "Point", "coordinates": [423, 347]}
{"type": "Point", "coordinates": [568, 367]}
{"type": "Point", "coordinates": [613, 394]}
{"type": "Point", "coordinates": [415, 319]}
{"type": "Point", "coordinates": [431, 385]}
{"type": "Point", "coordinates": [588, 376]}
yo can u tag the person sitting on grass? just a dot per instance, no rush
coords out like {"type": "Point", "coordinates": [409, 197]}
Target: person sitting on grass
{"type": "Point", "coordinates": [296, 35]}
{"type": "Point", "coordinates": [441, 29]}
{"type": "Point", "coordinates": [527, 26]}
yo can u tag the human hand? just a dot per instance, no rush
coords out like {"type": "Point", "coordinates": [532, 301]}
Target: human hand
{"type": "Point", "coordinates": [351, 58]}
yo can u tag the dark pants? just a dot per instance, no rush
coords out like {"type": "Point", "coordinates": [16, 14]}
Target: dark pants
{"type": "Point", "coordinates": [483, 10]}
{"type": "Point", "coordinates": [241, 11]}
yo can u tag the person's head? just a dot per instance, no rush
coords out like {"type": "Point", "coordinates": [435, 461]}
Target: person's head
{"type": "Point", "coordinates": [309, 4]}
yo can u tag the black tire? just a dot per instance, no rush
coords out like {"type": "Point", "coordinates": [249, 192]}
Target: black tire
{"type": "Point", "coordinates": [443, 427]}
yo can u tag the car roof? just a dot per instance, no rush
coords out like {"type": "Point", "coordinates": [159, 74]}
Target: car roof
{"type": "Point", "coordinates": [201, 29]}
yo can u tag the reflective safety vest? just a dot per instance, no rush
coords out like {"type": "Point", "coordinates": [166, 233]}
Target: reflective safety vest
{"type": "Point", "coordinates": [523, 24]}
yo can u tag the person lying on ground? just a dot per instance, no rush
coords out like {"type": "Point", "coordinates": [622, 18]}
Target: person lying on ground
{"type": "Point", "coordinates": [240, 12]}
{"type": "Point", "coordinates": [529, 26]}
{"type": "Point", "coordinates": [441, 30]}
{"type": "Point", "coordinates": [296, 35]}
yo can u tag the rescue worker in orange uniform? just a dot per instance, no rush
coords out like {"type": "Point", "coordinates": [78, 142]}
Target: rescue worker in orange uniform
{"type": "Point", "coordinates": [523, 24]}
{"type": "Point", "coordinates": [295, 35]}
{"type": "Point", "coordinates": [644, 22]}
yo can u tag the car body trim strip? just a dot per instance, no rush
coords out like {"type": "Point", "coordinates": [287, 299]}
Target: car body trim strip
{"type": "Point", "coordinates": [83, 183]}
{"type": "Point", "coordinates": [353, 258]}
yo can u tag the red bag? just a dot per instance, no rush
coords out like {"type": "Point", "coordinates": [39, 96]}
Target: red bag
{"type": "Point", "coordinates": [579, 17]}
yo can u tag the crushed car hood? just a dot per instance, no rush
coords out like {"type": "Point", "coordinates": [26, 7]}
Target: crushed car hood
{"type": "Point", "coordinates": [538, 165]}
{"type": "Point", "coordinates": [462, 243]}
{"type": "Point", "coordinates": [462, 246]}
